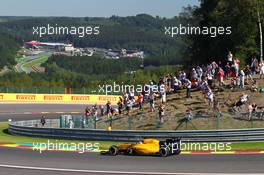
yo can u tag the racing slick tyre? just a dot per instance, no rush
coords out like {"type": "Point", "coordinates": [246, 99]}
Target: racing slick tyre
{"type": "Point", "coordinates": [164, 152]}
{"type": "Point", "coordinates": [113, 150]}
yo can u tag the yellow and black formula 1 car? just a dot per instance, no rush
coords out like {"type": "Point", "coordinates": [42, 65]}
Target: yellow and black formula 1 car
{"type": "Point", "coordinates": [148, 147]}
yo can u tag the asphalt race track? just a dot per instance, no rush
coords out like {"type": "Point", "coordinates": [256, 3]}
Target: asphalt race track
{"type": "Point", "coordinates": [35, 111]}
{"type": "Point", "coordinates": [29, 162]}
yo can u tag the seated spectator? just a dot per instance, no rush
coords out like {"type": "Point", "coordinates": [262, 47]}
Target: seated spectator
{"type": "Point", "coordinates": [210, 97]}
{"type": "Point", "coordinates": [176, 84]}
{"type": "Point", "coordinates": [254, 87]}
{"type": "Point", "coordinates": [189, 115]}
{"type": "Point", "coordinates": [114, 111]}
{"type": "Point", "coordinates": [242, 100]}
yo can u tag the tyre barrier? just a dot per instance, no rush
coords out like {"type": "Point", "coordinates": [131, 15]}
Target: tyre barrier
{"type": "Point", "coordinates": [31, 128]}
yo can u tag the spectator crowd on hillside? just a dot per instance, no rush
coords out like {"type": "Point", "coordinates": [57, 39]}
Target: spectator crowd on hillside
{"type": "Point", "coordinates": [222, 74]}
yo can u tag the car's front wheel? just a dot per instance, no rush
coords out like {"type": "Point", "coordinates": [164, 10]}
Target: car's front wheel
{"type": "Point", "coordinates": [163, 152]}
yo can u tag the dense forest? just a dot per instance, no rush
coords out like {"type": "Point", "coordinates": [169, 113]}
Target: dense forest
{"type": "Point", "coordinates": [8, 49]}
{"type": "Point", "coordinates": [143, 32]}
{"type": "Point", "coordinates": [95, 65]}
{"type": "Point", "coordinates": [240, 15]}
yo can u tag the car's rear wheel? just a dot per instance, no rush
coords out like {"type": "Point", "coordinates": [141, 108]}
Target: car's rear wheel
{"type": "Point", "coordinates": [113, 150]}
{"type": "Point", "coordinates": [163, 152]}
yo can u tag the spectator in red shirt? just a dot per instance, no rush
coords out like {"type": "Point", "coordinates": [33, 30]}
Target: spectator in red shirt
{"type": "Point", "coordinates": [140, 100]}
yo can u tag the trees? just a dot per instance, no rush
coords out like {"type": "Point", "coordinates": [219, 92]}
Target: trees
{"type": "Point", "coordinates": [244, 39]}
{"type": "Point", "coordinates": [95, 65]}
{"type": "Point", "coordinates": [8, 49]}
{"type": "Point", "coordinates": [142, 32]}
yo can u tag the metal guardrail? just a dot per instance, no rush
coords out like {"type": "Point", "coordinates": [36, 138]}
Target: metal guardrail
{"type": "Point", "coordinates": [29, 128]}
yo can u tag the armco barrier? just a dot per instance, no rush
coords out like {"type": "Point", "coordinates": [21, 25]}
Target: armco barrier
{"type": "Point", "coordinates": [58, 98]}
{"type": "Point", "coordinates": [29, 128]}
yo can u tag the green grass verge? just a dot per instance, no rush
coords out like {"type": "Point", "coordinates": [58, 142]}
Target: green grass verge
{"type": "Point", "coordinates": [11, 139]}
{"type": "Point", "coordinates": [7, 138]}
{"type": "Point", "coordinates": [248, 146]}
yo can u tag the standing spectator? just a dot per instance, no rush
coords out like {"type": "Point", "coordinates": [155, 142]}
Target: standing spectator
{"type": "Point", "coordinates": [188, 85]}
{"type": "Point", "coordinates": [176, 84]}
{"type": "Point", "coordinates": [162, 90]}
{"type": "Point", "coordinates": [220, 76]}
{"type": "Point", "coordinates": [101, 110]}
{"type": "Point", "coordinates": [261, 69]}
{"type": "Point", "coordinates": [182, 76]}
{"type": "Point", "coordinates": [252, 109]}
{"type": "Point", "coordinates": [254, 65]}
{"type": "Point", "coordinates": [152, 96]}
{"type": "Point", "coordinates": [262, 113]}
{"type": "Point", "coordinates": [129, 104]}
{"type": "Point", "coordinates": [43, 121]}
{"type": "Point", "coordinates": [140, 100]}
{"type": "Point", "coordinates": [94, 112]}
{"type": "Point", "coordinates": [194, 74]}
{"type": "Point", "coordinates": [108, 108]}
{"type": "Point", "coordinates": [71, 124]}
{"type": "Point", "coordinates": [227, 71]}
{"type": "Point", "coordinates": [199, 71]}
{"type": "Point", "coordinates": [242, 79]}
{"type": "Point", "coordinates": [236, 66]}
{"type": "Point", "coordinates": [230, 58]}
{"type": "Point", "coordinates": [161, 112]}
{"type": "Point", "coordinates": [210, 80]}
{"type": "Point", "coordinates": [120, 105]}
{"type": "Point", "coordinates": [151, 86]}
{"type": "Point", "coordinates": [248, 74]}
{"type": "Point", "coordinates": [131, 93]}
{"type": "Point", "coordinates": [86, 112]}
